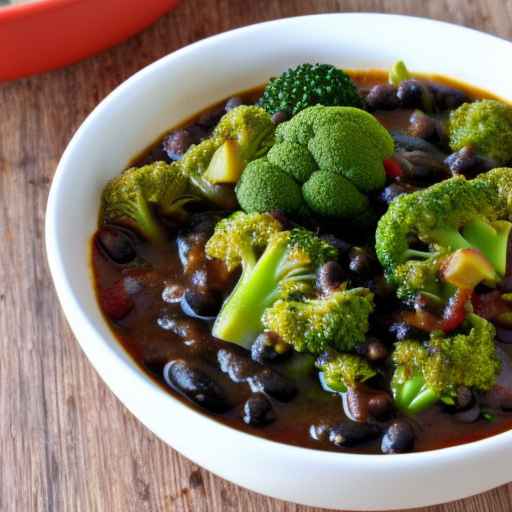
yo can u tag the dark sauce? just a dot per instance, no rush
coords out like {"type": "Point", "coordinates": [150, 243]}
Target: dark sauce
{"type": "Point", "coordinates": [144, 332]}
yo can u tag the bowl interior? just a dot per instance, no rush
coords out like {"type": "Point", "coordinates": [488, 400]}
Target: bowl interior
{"type": "Point", "coordinates": [168, 92]}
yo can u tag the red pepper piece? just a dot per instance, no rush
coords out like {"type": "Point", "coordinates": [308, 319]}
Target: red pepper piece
{"type": "Point", "coordinates": [115, 301]}
{"type": "Point", "coordinates": [392, 167]}
{"type": "Point", "coordinates": [455, 311]}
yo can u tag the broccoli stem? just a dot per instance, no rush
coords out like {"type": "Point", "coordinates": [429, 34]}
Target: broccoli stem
{"type": "Point", "coordinates": [492, 240]}
{"type": "Point", "coordinates": [139, 214]}
{"type": "Point", "coordinates": [413, 396]}
{"type": "Point", "coordinates": [239, 320]}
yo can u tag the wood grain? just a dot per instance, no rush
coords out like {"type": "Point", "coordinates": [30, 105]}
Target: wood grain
{"type": "Point", "coordinates": [66, 443]}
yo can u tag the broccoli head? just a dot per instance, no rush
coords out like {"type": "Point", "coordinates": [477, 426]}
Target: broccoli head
{"type": "Point", "coordinates": [343, 140]}
{"type": "Point", "coordinates": [337, 154]}
{"type": "Point", "coordinates": [275, 264]}
{"type": "Point", "coordinates": [308, 85]}
{"type": "Point", "coordinates": [451, 215]}
{"type": "Point", "coordinates": [131, 198]}
{"type": "Point", "coordinates": [486, 125]}
{"type": "Point", "coordinates": [331, 195]}
{"type": "Point", "coordinates": [246, 131]}
{"type": "Point", "coordinates": [339, 320]}
{"type": "Point", "coordinates": [263, 187]}
{"type": "Point", "coordinates": [427, 373]}
{"type": "Point", "coordinates": [340, 372]}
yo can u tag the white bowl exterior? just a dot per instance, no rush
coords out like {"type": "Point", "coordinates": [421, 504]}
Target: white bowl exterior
{"type": "Point", "coordinates": [161, 96]}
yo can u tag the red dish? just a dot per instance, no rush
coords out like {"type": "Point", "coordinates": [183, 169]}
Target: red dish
{"type": "Point", "coordinates": [48, 34]}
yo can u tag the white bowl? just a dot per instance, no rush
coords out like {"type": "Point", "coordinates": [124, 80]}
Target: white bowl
{"type": "Point", "coordinates": [162, 95]}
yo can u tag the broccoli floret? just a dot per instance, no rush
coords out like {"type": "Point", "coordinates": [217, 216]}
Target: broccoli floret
{"type": "Point", "coordinates": [486, 125]}
{"type": "Point", "coordinates": [293, 159]}
{"type": "Point", "coordinates": [501, 180]}
{"type": "Point", "coordinates": [428, 373]}
{"type": "Point", "coordinates": [332, 195]}
{"type": "Point", "coordinates": [274, 263]}
{"type": "Point", "coordinates": [131, 197]}
{"type": "Point", "coordinates": [454, 214]}
{"type": "Point", "coordinates": [338, 321]}
{"type": "Point", "coordinates": [250, 127]}
{"type": "Point", "coordinates": [342, 140]}
{"type": "Point", "coordinates": [263, 187]}
{"type": "Point", "coordinates": [398, 73]}
{"type": "Point", "coordinates": [337, 151]}
{"type": "Point", "coordinates": [308, 85]}
{"type": "Point", "coordinates": [340, 372]}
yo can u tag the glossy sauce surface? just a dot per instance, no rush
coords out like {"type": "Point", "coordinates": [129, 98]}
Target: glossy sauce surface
{"type": "Point", "coordinates": [146, 336]}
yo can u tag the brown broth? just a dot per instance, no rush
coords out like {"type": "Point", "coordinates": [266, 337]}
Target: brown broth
{"type": "Point", "coordinates": [150, 346]}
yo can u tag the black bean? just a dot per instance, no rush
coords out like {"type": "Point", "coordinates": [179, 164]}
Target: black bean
{"type": "Point", "coordinates": [405, 143]}
{"type": "Point", "coordinates": [198, 133]}
{"type": "Point", "coordinates": [469, 415]}
{"type": "Point", "coordinates": [211, 117]}
{"type": "Point", "coordinates": [196, 233]}
{"type": "Point", "coordinates": [319, 431]}
{"type": "Point", "coordinates": [421, 125]}
{"type": "Point", "coordinates": [329, 277]}
{"type": "Point", "coordinates": [380, 406]}
{"type": "Point", "coordinates": [382, 97]}
{"type": "Point", "coordinates": [398, 438]}
{"type": "Point", "coordinates": [394, 190]}
{"type": "Point", "coordinates": [233, 102]}
{"type": "Point", "coordinates": [376, 350]}
{"type": "Point", "coordinates": [279, 117]}
{"type": "Point", "coordinates": [273, 384]}
{"type": "Point", "coordinates": [447, 98]}
{"type": "Point", "coordinates": [361, 261]}
{"type": "Point", "coordinates": [421, 167]}
{"type": "Point", "coordinates": [237, 367]}
{"type": "Point", "coordinates": [116, 244]}
{"type": "Point", "coordinates": [464, 398]}
{"type": "Point", "coordinates": [468, 163]}
{"type": "Point", "coordinates": [351, 433]}
{"type": "Point", "coordinates": [196, 386]}
{"type": "Point", "coordinates": [177, 143]}
{"type": "Point", "coordinates": [258, 411]}
{"type": "Point", "coordinates": [402, 331]}
{"type": "Point", "coordinates": [268, 347]}
{"type": "Point", "coordinates": [414, 94]}
{"type": "Point", "coordinates": [201, 304]}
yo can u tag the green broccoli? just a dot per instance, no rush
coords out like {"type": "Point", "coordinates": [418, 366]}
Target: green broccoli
{"type": "Point", "coordinates": [263, 187]}
{"type": "Point", "coordinates": [342, 140]}
{"type": "Point", "coordinates": [251, 128]}
{"type": "Point", "coordinates": [428, 373]}
{"type": "Point", "coordinates": [275, 264]}
{"type": "Point", "coordinates": [501, 179]}
{"type": "Point", "coordinates": [336, 152]}
{"type": "Point", "coordinates": [293, 159]}
{"type": "Point", "coordinates": [338, 321]}
{"type": "Point", "coordinates": [340, 372]}
{"type": "Point", "coordinates": [485, 125]}
{"type": "Point", "coordinates": [454, 214]}
{"type": "Point", "coordinates": [308, 85]}
{"type": "Point", "coordinates": [332, 195]}
{"type": "Point", "coordinates": [398, 73]}
{"type": "Point", "coordinates": [131, 197]}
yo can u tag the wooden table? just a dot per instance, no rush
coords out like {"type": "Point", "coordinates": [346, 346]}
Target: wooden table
{"type": "Point", "coordinates": [66, 444]}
